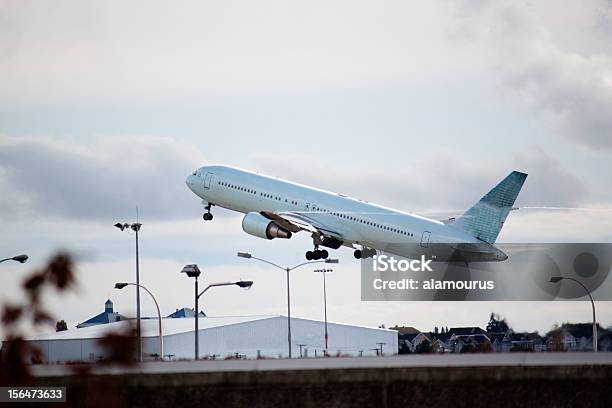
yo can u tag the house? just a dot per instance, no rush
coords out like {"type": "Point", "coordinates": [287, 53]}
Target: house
{"type": "Point", "coordinates": [185, 312]}
{"type": "Point", "coordinates": [422, 343]}
{"type": "Point", "coordinates": [501, 342]}
{"type": "Point", "coordinates": [572, 337]}
{"type": "Point", "coordinates": [108, 316]}
{"type": "Point", "coordinates": [405, 336]}
{"type": "Point", "coordinates": [440, 342]}
{"type": "Point", "coordinates": [526, 341]}
{"type": "Point", "coordinates": [468, 339]}
{"type": "Point", "coordinates": [604, 343]}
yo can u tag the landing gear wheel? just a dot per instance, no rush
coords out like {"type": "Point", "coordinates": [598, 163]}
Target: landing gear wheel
{"type": "Point", "coordinates": [357, 254]}
{"type": "Point", "coordinates": [324, 254]}
{"type": "Point", "coordinates": [309, 255]}
{"type": "Point", "coordinates": [207, 217]}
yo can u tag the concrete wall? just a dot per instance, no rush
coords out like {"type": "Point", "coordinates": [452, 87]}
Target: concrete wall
{"type": "Point", "coordinates": [471, 386]}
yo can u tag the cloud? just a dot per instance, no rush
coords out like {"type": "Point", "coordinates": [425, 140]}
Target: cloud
{"type": "Point", "coordinates": [557, 60]}
{"type": "Point", "coordinates": [65, 53]}
{"type": "Point", "coordinates": [435, 181]}
{"type": "Point", "coordinates": [106, 179]}
{"type": "Point", "coordinates": [549, 182]}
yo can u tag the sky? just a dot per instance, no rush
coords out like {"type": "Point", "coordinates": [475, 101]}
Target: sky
{"type": "Point", "coordinates": [421, 106]}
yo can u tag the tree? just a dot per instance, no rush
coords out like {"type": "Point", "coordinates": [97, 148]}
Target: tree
{"type": "Point", "coordinates": [61, 326]}
{"type": "Point", "coordinates": [484, 347]}
{"type": "Point", "coordinates": [497, 324]}
{"type": "Point", "coordinates": [436, 330]}
{"type": "Point", "coordinates": [404, 348]}
{"type": "Point", "coordinates": [467, 348]}
{"type": "Point", "coordinates": [423, 347]}
{"type": "Point", "coordinates": [556, 339]}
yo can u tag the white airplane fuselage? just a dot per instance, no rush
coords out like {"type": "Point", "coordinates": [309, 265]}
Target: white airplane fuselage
{"type": "Point", "coordinates": [357, 222]}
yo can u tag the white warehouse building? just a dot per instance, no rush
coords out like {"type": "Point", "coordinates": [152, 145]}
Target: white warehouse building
{"type": "Point", "coordinates": [221, 337]}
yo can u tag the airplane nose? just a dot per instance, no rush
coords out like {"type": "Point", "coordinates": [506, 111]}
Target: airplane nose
{"type": "Point", "coordinates": [190, 182]}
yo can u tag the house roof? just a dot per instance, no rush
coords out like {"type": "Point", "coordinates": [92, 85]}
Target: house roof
{"type": "Point", "coordinates": [104, 318]}
{"type": "Point", "coordinates": [497, 336]}
{"type": "Point", "coordinates": [405, 330]}
{"type": "Point", "coordinates": [149, 327]}
{"type": "Point", "coordinates": [579, 330]}
{"type": "Point", "coordinates": [465, 331]}
{"type": "Point", "coordinates": [440, 336]}
{"type": "Point", "coordinates": [408, 336]}
{"type": "Point", "coordinates": [185, 312]}
{"type": "Point", "coordinates": [526, 336]}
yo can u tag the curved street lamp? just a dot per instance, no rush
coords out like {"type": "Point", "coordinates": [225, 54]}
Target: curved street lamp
{"type": "Point", "coordinates": [17, 258]}
{"type": "Point", "coordinates": [247, 255]}
{"type": "Point", "coordinates": [556, 279]}
{"type": "Point", "coordinates": [121, 285]}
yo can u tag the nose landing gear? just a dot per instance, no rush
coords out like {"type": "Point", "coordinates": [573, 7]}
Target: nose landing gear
{"type": "Point", "coordinates": [207, 215]}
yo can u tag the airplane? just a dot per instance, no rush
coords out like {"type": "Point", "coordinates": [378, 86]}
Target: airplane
{"type": "Point", "coordinates": [277, 208]}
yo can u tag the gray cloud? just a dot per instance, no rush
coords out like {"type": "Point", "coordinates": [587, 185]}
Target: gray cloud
{"type": "Point", "coordinates": [549, 183]}
{"type": "Point", "coordinates": [105, 179]}
{"type": "Point", "coordinates": [555, 59]}
{"type": "Point", "coordinates": [112, 176]}
{"type": "Point", "coordinates": [436, 181]}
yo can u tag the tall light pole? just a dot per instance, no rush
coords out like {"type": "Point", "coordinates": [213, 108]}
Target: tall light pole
{"type": "Point", "coordinates": [556, 279]}
{"type": "Point", "coordinates": [121, 285]}
{"type": "Point", "coordinates": [287, 270]}
{"type": "Point", "coordinates": [193, 271]}
{"type": "Point", "coordinates": [135, 227]}
{"type": "Point", "coordinates": [17, 258]}
{"type": "Point", "coordinates": [324, 271]}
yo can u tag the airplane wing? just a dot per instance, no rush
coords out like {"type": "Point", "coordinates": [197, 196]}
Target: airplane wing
{"type": "Point", "coordinates": [296, 221]}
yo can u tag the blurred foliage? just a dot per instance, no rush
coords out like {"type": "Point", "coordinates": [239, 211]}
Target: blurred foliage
{"type": "Point", "coordinates": [17, 354]}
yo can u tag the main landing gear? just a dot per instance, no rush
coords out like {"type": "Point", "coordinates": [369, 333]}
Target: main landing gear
{"type": "Point", "coordinates": [207, 215]}
{"type": "Point", "coordinates": [317, 254]}
{"type": "Point", "coordinates": [317, 239]}
{"type": "Point", "coordinates": [364, 253]}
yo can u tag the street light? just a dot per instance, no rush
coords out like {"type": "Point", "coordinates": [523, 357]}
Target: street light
{"type": "Point", "coordinates": [121, 285]}
{"type": "Point", "coordinates": [193, 271]}
{"type": "Point", "coordinates": [135, 227]}
{"type": "Point", "coordinates": [556, 279]}
{"type": "Point", "coordinates": [324, 271]}
{"type": "Point", "coordinates": [18, 258]}
{"type": "Point", "coordinates": [247, 255]}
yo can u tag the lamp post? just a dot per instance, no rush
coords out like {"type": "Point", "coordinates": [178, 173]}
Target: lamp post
{"type": "Point", "coordinates": [324, 271]}
{"type": "Point", "coordinates": [247, 255]}
{"type": "Point", "coordinates": [121, 285]}
{"type": "Point", "coordinates": [193, 271]}
{"type": "Point", "coordinates": [18, 258]}
{"type": "Point", "coordinates": [135, 227]}
{"type": "Point", "coordinates": [556, 279]}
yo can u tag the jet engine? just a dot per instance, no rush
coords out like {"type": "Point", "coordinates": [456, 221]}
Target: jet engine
{"type": "Point", "coordinates": [256, 224]}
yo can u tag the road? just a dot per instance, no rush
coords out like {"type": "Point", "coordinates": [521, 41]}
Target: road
{"type": "Point", "coordinates": [407, 361]}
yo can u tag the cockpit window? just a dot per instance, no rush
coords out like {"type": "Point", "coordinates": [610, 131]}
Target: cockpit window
{"type": "Point", "coordinates": [194, 173]}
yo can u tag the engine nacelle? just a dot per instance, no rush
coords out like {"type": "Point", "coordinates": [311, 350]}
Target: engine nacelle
{"type": "Point", "coordinates": [256, 224]}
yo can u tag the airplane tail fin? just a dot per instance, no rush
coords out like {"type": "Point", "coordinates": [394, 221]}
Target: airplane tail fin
{"type": "Point", "coordinates": [486, 218]}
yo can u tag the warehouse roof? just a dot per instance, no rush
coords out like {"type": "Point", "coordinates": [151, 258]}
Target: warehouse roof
{"type": "Point", "coordinates": [149, 327]}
